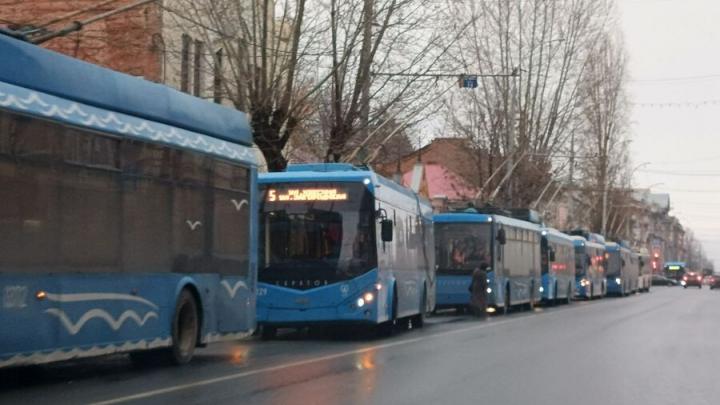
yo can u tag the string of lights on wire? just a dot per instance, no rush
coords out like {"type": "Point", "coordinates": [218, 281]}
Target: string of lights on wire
{"type": "Point", "coordinates": [680, 104]}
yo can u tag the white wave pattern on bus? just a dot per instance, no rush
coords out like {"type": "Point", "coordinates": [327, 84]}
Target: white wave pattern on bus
{"type": "Point", "coordinates": [96, 313]}
{"type": "Point", "coordinates": [54, 107]}
{"type": "Point", "coordinates": [98, 297]}
{"type": "Point", "coordinates": [59, 355]}
{"type": "Point", "coordinates": [234, 289]}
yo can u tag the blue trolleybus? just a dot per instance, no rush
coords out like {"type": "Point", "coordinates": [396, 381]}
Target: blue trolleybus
{"type": "Point", "coordinates": [340, 244]}
{"type": "Point", "coordinates": [463, 243]}
{"type": "Point", "coordinates": [590, 280]}
{"type": "Point", "coordinates": [674, 270]}
{"type": "Point", "coordinates": [127, 214]}
{"type": "Point", "coordinates": [622, 269]}
{"type": "Point", "coordinates": [558, 266]}
{"type": "Point", "coordinates": [508, 248]}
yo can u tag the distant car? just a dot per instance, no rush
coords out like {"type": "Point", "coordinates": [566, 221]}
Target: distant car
{"type": "Point", "coordinates": [662, 280]}
{"type": "Point", "coordinates": [713, 281]}
{"type": "Point", "coordinates": [690, 279]}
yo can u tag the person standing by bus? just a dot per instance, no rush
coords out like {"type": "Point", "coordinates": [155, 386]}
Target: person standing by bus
{"type": "Point", "coordinates": [478, 292]}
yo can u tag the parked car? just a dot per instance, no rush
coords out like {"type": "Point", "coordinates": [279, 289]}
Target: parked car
{"type": "Point", "coordinates": [713, 281]}
{"type": "Point", "coordinates": [657, 279]}
{"type": "Point", "coordinates": [691, 279]}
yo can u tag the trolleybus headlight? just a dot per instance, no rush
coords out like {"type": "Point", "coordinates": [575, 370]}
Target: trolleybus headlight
{"type": "Point", "coordinates": [541, 289]}
{"type": "Point", "coordinates": [489, 290]}
{"type": "Point", "coordinates": [368, 297]}
{"type": "Point", "coordinates": [683, 282]}
{"type": "Point", "coordinates": [360, 302]}
{"type": "Point", "coordinates": [378, 286]}
{"type": "Point", "coordinates": [490, 310]}
{"type": "Point", "coordinates": [618, 280]}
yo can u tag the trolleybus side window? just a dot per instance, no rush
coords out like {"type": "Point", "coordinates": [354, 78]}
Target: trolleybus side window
{"type": "Point", "coordinates": [78, 204]}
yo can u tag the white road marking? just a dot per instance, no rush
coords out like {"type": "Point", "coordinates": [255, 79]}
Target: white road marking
{"type": "Point", "coordinates": [236, 376]}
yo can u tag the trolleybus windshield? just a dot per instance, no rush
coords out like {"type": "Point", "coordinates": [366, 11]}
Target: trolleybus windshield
{"type": "Point", "coordinates": [462, 247]}
{"type": "Point", "coordinates": [614, 264]}
{"type": "Point", "coordinates": [314, 234]}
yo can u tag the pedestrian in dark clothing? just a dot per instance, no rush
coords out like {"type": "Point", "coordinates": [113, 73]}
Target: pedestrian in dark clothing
{"type": "Point", "coordinates": [478, 292]}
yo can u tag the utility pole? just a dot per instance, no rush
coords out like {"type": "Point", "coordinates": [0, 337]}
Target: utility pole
{"type": "Point", "coordinates": [365, 58]}
{"type": "Point", "coordinates": [511, 134]}
{"type": "Point", "coordinates": [572, 158]}
{"type": "Point", "coordinates": [603, 226]}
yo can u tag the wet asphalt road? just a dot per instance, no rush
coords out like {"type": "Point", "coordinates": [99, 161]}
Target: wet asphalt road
{"type": "Point", "coordinates": [657, 348]}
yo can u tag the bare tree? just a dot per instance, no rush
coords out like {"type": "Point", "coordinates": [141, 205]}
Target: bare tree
{"type": "Point", "coordinates": [260, 53]}
{"type": "Point", "coordinates": [605, 111]}
{"type": "Point", "coordinates": [524, 122]}
{"type": "Point", "coordinates": [380, 70]}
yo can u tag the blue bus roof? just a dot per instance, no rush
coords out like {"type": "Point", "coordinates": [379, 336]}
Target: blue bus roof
{"type": "Point", "coordinates": [615, 247]}
{"type": "Point", "coordinates": [580, 241]}
{"type": "Point", "coordinates": [329, 172]}
{"type": "Point", "coordinates": [466, 217]}
{"type": "Point", "coordinates": [456, 217]}
{"type": "Point", "coordinates": [557, 236]}
{"type": "Point", "coordinates": [32, 67]}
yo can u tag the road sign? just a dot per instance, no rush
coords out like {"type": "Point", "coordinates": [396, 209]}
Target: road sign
{"type": "Point", "coordinates": [468, 81]}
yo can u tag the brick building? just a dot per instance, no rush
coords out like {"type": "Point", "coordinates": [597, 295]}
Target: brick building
{"type": "Point", "coordinates": [130, 42]}
{"type": "Point", "coordinates": [149, 41]}
{"type": "Point", "coordinates": [447, 171]}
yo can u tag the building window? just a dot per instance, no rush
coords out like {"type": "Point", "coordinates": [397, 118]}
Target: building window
{"type": "Point", "coordinates": [197, 68]}
{"type": "Point", "coordinates": [185, 63]}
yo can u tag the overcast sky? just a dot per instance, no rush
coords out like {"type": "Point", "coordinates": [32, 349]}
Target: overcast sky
{"type": "Point", "coordinates": [674, 51]}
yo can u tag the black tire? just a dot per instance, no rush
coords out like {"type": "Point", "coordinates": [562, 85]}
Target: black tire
{"type": "Point", "coordinates": [555, 296]}
{"type": "Point", "coordinates": [531, 302]}
{"type": "Point", "coordinates": [418, 321]}
{"type": "Point", "coordinates": [268, 332]}
{"type": "Point", "coordinates": [387, 328]}
{"type": "Point", "coordinates": [185, 328]}
{"type": "Point", "coordinates": [568, 298]}
{"type": "Point", "coordinates": [506, 303]}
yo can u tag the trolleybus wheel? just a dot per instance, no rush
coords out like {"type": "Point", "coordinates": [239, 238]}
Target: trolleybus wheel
{"type": "Point", "coordinates": [506, 304]}
{"type": "Point", "coordinates": [387, 328]}
{"type": "Point", "coordinates": [568, 299]}
{"type": "Point", "coordinates": [185, 327]}
{"type": "Point", "coordinates": [531, 302]}
{"type": "Point", "coordinates": [268, 332]}
{"type": "Point", "coordinates": [418, 321]}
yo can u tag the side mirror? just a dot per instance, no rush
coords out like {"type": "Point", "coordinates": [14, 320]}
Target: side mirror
{"type": "Point", "coordinates": [386, 230]}
{"type": "Point", "coordinates": [551, 255]}
{"type": "Point", "coordinates": [501, 237]}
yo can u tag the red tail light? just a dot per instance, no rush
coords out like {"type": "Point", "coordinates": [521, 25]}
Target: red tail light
{"type": "Point", "coordinates": [699, 278]}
